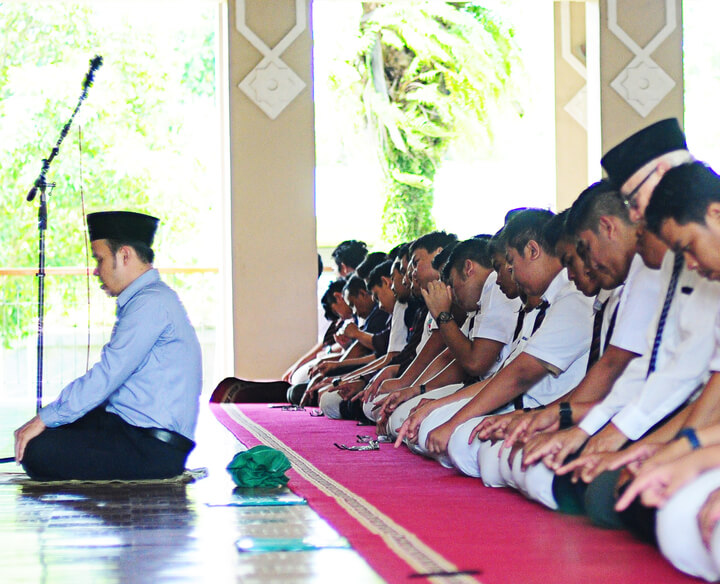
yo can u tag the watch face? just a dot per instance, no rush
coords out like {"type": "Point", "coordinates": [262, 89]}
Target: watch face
{"type": "Point", "coordinates": [444, 317]}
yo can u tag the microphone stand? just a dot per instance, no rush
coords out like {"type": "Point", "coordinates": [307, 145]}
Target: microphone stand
{"type": "Point", "coordinates": [42, 185]}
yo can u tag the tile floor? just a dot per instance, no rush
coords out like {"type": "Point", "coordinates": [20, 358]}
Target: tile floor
{"type": "Point", "coordinates": [161, 533]}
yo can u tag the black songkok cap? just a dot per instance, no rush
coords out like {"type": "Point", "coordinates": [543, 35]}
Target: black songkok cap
{"type": "Point", "coordinates": [122, 226]}
{"type": "Point", "coordinates": [634, 152]}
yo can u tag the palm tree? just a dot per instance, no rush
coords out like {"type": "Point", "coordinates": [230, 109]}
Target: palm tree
{"type": "Point", "coordinates": [430, 73]}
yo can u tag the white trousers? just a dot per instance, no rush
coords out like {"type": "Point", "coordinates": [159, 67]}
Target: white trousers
{"type": "Point", "coordinates": [302, 373]}
{"type": "Point", "coordinates": [435, 419]}
{"type": "Point", "coordinates": [402, 412]}
{"type": "Point", "coordinates": [465, 456]}
{"type": "Point", "coordinates": [368, 410]}
{"type": "Point", "coordinates": [678, 532]}
{"type": "Point", "coordinates": [330, 404]}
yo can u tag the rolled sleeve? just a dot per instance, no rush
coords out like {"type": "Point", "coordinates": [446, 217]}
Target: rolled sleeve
{"type": "Point", "coordinates": [565, 335]}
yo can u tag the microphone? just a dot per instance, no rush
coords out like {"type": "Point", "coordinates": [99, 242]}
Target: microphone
{"type": "Point", "coordinates": [95, 63]}
{"type": "Point", "coordinates": [33, 191]}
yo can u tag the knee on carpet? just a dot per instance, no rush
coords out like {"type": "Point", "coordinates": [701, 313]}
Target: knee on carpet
{"type": "Point", "coordinates": [489, 465]}
{"type": "Point", "coordinates": [600, 501]}
{"type": "Point", "coordinates": [295, 393]}
{"type": "Point", "coordinates": [330, 404]}
{"type": "Point", "coordinates": [464, 456]}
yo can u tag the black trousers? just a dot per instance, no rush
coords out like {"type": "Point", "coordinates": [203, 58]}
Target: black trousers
{"type": "Point", "coordinates": [100, 446]}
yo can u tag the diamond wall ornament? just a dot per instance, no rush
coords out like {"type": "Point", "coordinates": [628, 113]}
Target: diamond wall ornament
{"type": "Point", "coordinates": [272, 85]}
{"type": "Point", "coordinates": [577, 107]}
{"type": "Point", "coordinates": [642, 83]}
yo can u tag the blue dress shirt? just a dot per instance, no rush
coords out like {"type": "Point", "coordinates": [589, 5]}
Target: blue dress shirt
{"type": "Point", "coordinates": [149, 373]}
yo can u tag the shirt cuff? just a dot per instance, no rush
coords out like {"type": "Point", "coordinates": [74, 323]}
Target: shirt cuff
{"type": "Point", "coordinates": [595, 419]}
{"type": "Point", "coordinates": [632, 422]}
{"type": "Point", "coordinates": [49, 416]}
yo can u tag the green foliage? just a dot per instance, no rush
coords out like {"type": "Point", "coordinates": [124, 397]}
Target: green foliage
{"type": "Point", "coordinates": [148, 133]}
{"type": "Point", "coordinates": [444, 67]}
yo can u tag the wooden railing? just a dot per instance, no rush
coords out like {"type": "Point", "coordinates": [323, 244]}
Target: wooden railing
{"type": "Point", "coordinates": [79, 271]}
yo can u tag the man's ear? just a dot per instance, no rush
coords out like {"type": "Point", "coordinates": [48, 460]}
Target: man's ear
{"type": "Point", "coordinates": [532, 250]}
{"type": "Point", "coordinates": [468, 268]}
{"type": "Point", "coordinates": [126, 252]}
{"type": "Point", "coordinates": [712, 215]}
{"type": "Point", "coordinates": [607, 226]}
{"type": "Point", "coordinates": [386, 281]}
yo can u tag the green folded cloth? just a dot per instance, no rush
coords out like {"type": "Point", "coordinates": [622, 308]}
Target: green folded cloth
{"type": "Point", "coordinates": [260, 466]}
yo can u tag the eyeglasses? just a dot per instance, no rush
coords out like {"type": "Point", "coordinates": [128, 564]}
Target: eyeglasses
{"type": "Point", "coordinates": [629, 199]}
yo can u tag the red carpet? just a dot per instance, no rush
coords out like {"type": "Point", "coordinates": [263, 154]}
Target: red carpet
{"type": "Point", "coordinates": [406, 514]}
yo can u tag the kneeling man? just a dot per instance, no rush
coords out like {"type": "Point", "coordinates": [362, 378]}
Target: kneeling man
{"type": "Point", "coordinates": [133, 415]}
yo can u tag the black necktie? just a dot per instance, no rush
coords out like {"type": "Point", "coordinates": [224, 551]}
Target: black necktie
{"type": "Point", "coordinates": [519, 325]}
{"type": "Point", "coordinates": [611, 327]}
{"type": "Point", "coordinates": [595, 342]}
{"type": "Point", "coordinates": [542, 309]}
{"type": "Point", "coordinates": [672, 285]}
{"type": "Point", "coordinates": [471, 325]}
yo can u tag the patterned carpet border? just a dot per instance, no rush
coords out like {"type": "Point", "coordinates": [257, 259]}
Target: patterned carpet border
{"type": "Point", "coordinates": [406, 545]}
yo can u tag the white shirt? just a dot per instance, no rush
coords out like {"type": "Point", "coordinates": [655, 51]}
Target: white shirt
{"type": "Point", "coordinates": [715, 361]}
{"type": "Point", "coordinates": [471, 318]}
{"type": "Point", "coordinates": [562, 343]}
{"type": "Point", "coordinates": [682, 364]}
{"type": "Point", "coordinates": [398, 328]}
{"type": "Point", "coordinates": [643, 290]}
{"type": "Point", "coordinates": [428, 326]}
{"type": "Point", "coordinates": [497, 319]}
{"type": "Point", "coordinates": [611, 299]}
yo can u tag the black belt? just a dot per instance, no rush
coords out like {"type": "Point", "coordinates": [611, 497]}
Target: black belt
{"type": "Point", "coordinates": [172, 438]}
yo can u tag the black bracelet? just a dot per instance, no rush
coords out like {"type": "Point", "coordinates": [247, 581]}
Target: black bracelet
{"type": "Point", "coordinates": [423, 388]}
{"type": "Point", "coordinates": [566, 420]}
{"type": "Point", "coordinates": [690, 434]}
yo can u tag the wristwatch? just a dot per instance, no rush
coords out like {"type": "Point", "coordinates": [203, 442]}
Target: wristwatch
{"type": "Point", "coordinates": [690, 434]}
{"type": "Point", "coordinates": [443, 317]}
{"type": "Point", "coordinates": [565, 415]}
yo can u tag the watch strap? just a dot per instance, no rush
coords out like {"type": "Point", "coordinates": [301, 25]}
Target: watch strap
{"type": "Point", "coordinates": [565, 415]}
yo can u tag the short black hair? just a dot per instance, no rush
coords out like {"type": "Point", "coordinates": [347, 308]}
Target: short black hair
{"type": "Point", "coordinates": [496, 244]}
{"type": "Point", "coordinates": [431, 241]}
{"type": "Point", "coordinates": [378, 272]}
{"type": "Point", "coordinates": [527, 225]}
{"type": "Point", "coordinates": [396, 252]}
{"type": "Point", "coordinates": [598, 200]}
{"type": "Point", "coordinates": [683, 194]}
{"type": "Point", "coordinates": [441, 258]}
{"type": "Point", "coordinates": [371, 260]}
{"type": "Point", "coordinates": [555, 230]}
{"type": "Point", "coordinates": [512, 212]}
{"type": "Point", "coordinates": [354, 285]}
{"type": "Point", "coordinates": [473, 249]}
{"type": "Point", "coordinates": [320, 265]}
{"type": "Point", "coordinates": [328, 298]}
{"type": "Point", "coordinates": [142, 249]}
{"type": "Point", "coordinates": [404, 251]}
{"type": "Point", "coordinates": [350, 252]}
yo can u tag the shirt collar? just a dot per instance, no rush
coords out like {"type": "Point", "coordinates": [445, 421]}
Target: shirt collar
{"type": "Point", "coordinates": [149, 277]}
{"type": "Point", "coordinates": [558, 283]}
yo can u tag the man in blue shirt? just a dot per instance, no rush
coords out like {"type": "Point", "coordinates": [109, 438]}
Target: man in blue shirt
{"type": "Point", "coordinates": [133, 415]}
